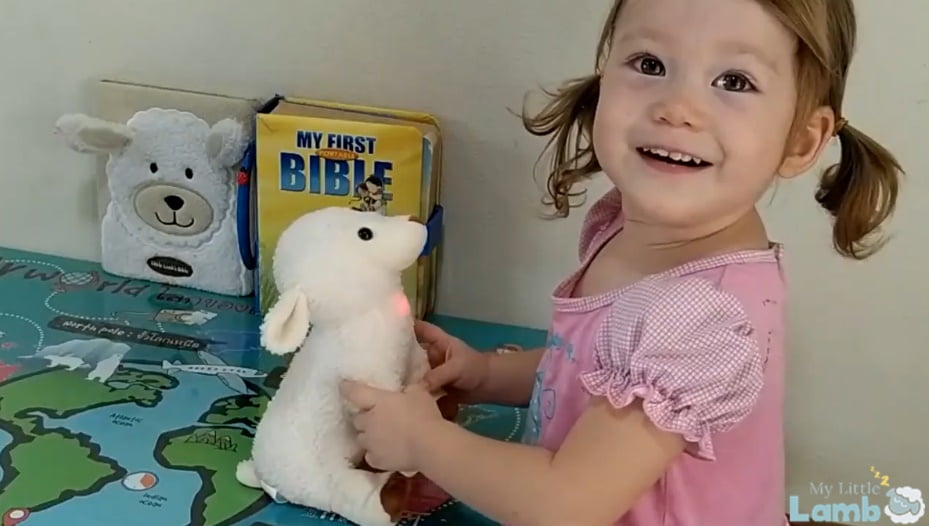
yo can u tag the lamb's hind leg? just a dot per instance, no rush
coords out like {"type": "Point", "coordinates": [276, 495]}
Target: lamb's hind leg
{"type": "Point", "coordinates": [356, 496]}
{"type": "Point", "coordinates": [245, 474]}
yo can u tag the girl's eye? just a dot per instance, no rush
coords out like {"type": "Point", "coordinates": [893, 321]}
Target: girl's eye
{"type": "Point", "coordinates": [649, 65]}
{"type": "Point", "coordinates": [734, 82]}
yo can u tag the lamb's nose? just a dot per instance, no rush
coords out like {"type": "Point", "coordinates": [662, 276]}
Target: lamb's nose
{"type": "Point", "coordinates": [174, 202]}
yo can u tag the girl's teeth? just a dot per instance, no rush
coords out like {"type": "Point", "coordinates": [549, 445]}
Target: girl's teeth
{"type": "Point", "coordinates": [677, 156]}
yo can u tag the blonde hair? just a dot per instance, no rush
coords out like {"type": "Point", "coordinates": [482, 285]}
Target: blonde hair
{"type": "Point", "coordinates": [860, 191]}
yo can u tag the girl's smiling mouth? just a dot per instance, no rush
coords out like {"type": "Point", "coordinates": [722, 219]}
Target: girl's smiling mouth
{"type": "Point", "coordinates": [671, 161]}
{"type": "Point", "coordinates": [671, 157]}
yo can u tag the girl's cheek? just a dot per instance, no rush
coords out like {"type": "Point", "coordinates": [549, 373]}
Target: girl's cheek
{"type": "Point", "coordinates": [735, 107]}
{"type": "Point", "coordinates": [738, 101]}
{"type": "Point", "coordinates": [629, 92]}
{"type": "Point", "coordinates": [629, 80]}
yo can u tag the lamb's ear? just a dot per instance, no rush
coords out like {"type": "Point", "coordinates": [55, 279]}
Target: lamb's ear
{"type": "Point", "coordinates": [85, 134]}
{"type": "Point", "coordinates": [227, 142]}
{"type": "Point", "coordinates": [286, 324]}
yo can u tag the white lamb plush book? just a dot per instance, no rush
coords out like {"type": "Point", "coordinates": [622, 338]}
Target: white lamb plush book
{"type": "Point", "coordinates": [167, 182]}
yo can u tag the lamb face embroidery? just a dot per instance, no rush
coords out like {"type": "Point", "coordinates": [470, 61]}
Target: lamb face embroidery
{"type": "Point", "coordinates": [171, 215]}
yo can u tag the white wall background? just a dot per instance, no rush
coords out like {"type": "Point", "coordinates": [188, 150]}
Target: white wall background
{"type": "Point", "coordinates": [860, 332]}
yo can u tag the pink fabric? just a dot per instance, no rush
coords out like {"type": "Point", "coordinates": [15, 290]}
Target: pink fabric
{"type": "Point", "coordinates": [702, 346]}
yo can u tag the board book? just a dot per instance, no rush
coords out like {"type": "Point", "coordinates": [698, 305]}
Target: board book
{"type": "Point", "coordinates": [312, 154]}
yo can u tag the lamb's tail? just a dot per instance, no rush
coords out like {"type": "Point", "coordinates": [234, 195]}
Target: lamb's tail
{"type": "Point", "coordinates": [245, 474]}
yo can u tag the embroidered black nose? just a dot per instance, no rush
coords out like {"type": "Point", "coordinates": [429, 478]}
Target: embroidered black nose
{"type": "Point", "coordinates": [174, 202]}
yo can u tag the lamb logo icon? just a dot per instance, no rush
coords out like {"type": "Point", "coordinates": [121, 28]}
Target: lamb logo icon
{"type": "Point", "coordinates": [905, 505]}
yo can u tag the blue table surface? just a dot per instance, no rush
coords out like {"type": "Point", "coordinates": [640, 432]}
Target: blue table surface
{"type": "Point", "coordinates": [104, 414]}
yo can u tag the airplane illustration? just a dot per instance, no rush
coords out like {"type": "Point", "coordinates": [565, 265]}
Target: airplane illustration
{"type": "Point", "coordinates": [230, 375]}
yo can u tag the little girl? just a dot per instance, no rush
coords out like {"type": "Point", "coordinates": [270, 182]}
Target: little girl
{"type": "Point", "coordinates": [658, 398]}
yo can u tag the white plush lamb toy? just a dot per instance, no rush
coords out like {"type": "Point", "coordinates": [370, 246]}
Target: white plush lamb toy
{"type": "Point", "coordinates": [172, 211]}
{"type": "Point", "coordinates": [338, 271]}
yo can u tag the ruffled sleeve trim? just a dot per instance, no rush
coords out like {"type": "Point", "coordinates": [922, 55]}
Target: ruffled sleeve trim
{"type": "Point", "coordinates": [658, 407]}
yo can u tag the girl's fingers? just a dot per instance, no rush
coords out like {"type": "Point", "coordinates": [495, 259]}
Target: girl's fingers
{"type": "Point", "coordinates": [437, 377]}
{"type": "Point", "coordinates": [427, 332]}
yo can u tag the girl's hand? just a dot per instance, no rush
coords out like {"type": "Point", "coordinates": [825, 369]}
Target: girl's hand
{"type": "Point", "coordinates": [456, 366]}
{"type": "Point", "coordinates": [389, 422]}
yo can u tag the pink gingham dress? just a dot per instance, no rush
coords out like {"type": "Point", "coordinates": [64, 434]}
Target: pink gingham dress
{"type": "Point", "coordinates": [702, 346]}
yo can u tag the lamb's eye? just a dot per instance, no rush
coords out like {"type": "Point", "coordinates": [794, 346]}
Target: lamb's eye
{"type": "Point", "coordinates": [189, 173]}
{"type": "Point", "coordinates": [365, 233]}
{"type": "Point", "coordinates": [153, 167]}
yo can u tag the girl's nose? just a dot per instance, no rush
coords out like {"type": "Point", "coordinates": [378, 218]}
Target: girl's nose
{"type": "Point", "coordinates": [679, 111]}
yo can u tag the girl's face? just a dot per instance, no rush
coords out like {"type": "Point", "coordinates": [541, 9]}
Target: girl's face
{"type": "Point", "coordinates": [697, 99]}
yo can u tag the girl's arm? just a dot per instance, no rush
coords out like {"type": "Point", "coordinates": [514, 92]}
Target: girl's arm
{"type": "Point", "coordinates": [609, 458]}
{"type": "Point", "coordinates": [698, 363]}
{"type": "Point", "coordinates": [510, 378]}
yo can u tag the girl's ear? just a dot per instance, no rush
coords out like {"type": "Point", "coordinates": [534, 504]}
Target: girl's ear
{"type": "Point", "coordinates": [808, 143]}
{"type": "Point", "coordinates": [286, 324]}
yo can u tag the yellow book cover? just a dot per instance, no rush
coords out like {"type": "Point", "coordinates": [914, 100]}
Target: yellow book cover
{"type": "Point", "coordinates": [315, 154]}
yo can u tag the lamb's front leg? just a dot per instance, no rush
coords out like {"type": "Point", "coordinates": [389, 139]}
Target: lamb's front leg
{"type": "Point", "coordinates": [418, 367]}
{"type": "Point", "coordinates": [417, 364]}
{"type": "Point", "coordinates": [385, 379]}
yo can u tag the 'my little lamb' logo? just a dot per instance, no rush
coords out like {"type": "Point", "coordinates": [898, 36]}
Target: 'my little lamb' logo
{"type": "Point", "coordinates": [905, 505]}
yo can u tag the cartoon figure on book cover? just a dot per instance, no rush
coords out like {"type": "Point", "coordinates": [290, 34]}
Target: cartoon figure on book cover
{"type": "Point", "coordinates": [171, 215]}
{"type": "Point", "coordinates": [370, 196]}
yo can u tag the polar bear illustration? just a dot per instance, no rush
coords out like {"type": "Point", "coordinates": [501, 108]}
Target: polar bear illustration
{"type": "Point", "coordinates": [100, 355]}
{"type": "Point", "coordinates": [172, 212]}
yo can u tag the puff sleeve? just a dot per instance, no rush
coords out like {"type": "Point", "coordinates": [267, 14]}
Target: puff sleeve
{"type": "Point", "coordinates": [689, 351]}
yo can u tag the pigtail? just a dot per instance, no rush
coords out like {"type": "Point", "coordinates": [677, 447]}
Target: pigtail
{"type": "Point", "coordinates": [860, 192]}
{"type": "Point", "coordinates": [568, 119]}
